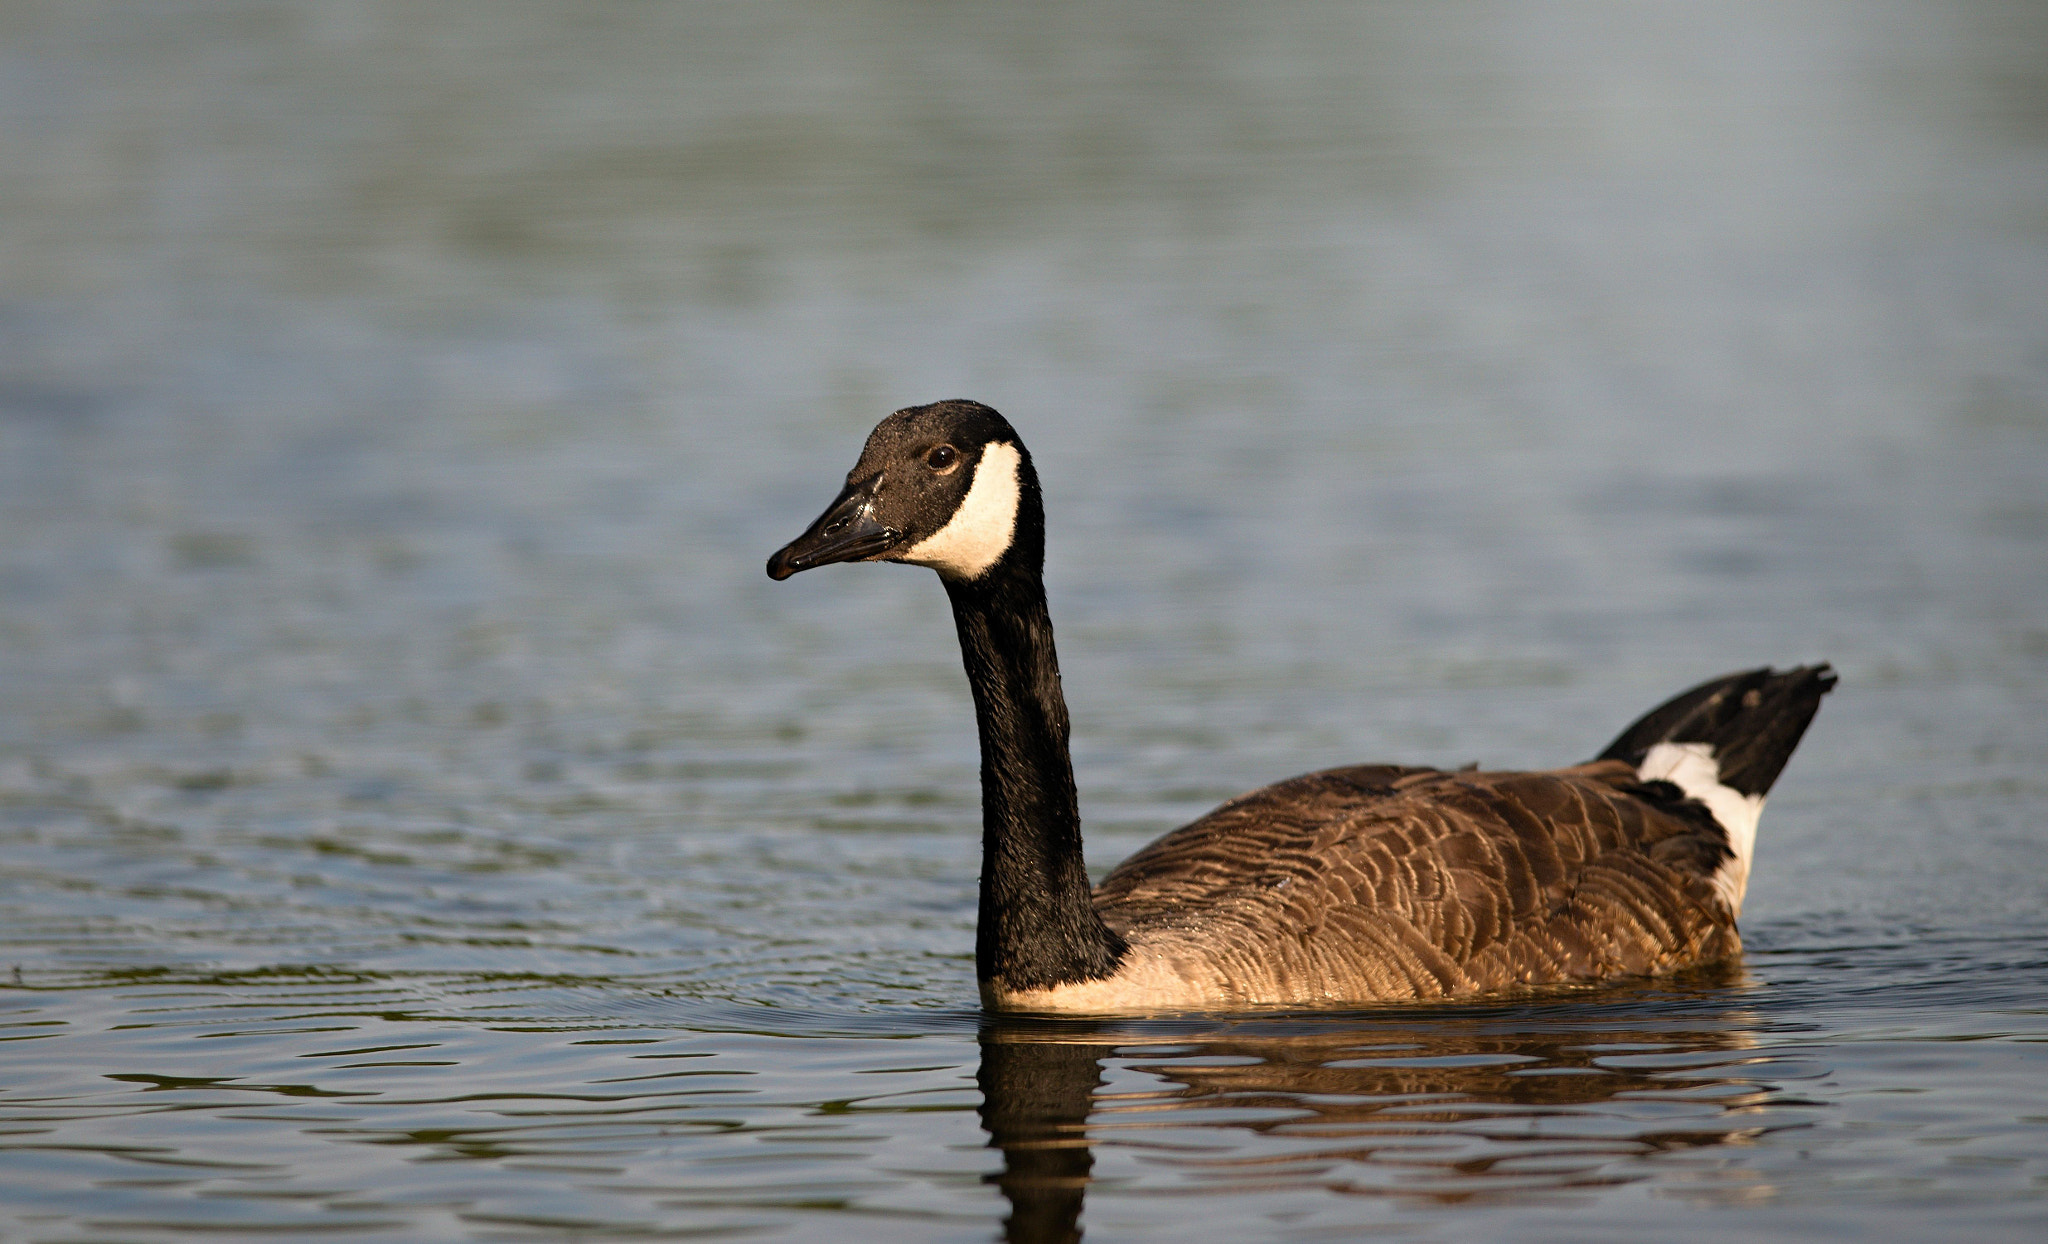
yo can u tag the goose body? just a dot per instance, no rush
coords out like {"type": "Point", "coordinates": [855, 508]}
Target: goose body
{"type": "Point", "coordinates": [1372, 883]}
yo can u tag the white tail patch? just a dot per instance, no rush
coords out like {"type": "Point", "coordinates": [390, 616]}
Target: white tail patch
{"type": "Point", "coordinates": [980, 531]}
{"type": "Point", "coordinates": [1691, 767]}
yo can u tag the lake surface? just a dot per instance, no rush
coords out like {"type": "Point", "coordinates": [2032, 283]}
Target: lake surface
{"type": "Point", "coordinates": [420, 818]}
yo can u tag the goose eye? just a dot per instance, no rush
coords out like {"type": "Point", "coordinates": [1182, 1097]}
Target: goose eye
{"type": "Point", "coordinates": [942, 457]}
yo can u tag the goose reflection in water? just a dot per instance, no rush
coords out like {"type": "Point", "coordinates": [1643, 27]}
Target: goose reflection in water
{"type": "Point", "coordinates": [1553, 1098]}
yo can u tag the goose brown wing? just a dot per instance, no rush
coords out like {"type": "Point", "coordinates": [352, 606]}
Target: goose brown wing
{"type": "Point", "coordinates": [1252, 841]}
{"type": "Point", "coordinates": [1384, 882]}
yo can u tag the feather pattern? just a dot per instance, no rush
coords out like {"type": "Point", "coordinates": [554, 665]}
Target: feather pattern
{"type": "Point", "coordinates": [1384, 883]}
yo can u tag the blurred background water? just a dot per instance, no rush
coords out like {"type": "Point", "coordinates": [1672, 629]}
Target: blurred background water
{"type": "Point", "coordinates": [421, 819]}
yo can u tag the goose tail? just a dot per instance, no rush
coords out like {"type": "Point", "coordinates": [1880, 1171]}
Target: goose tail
{"type": "Point", "coordinates": [1723, 743]}
{"type": "Point", "coordinates": [1749, 723]}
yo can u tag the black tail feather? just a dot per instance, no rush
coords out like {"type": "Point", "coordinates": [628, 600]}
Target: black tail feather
{"type": "Point", "coordinates": [1752, 720]}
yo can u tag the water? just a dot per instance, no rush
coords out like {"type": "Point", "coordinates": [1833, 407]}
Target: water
{"type": "Point", "coordinates": [420, 818]}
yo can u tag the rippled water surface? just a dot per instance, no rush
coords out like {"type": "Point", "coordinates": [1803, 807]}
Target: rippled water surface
{"type": "Point", "coordinates": [420, 818]}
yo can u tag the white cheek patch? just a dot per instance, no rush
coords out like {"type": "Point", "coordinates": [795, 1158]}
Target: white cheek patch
{"type": "Point", "coordinates": [980, 531]}
{"type": "Point", "coordinates": [1691, 767]}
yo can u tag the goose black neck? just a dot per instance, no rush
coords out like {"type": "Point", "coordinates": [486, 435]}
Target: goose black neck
{"type": "Point", "coordinates": [1038, 926]}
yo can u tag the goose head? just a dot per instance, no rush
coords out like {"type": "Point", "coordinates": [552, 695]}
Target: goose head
{"type": "Point", "coordinates": [947, 486]}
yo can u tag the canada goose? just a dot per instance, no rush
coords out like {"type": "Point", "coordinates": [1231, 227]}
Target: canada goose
{"type": "Point", "coordinates": [1366, 884]}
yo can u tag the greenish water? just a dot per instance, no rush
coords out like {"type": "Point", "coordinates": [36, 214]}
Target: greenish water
{"type": "Point", "coordinates": [421, 819]}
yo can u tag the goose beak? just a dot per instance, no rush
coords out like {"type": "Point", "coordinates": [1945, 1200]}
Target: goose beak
{"type": "Point", "coordinates": [846, 532]}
